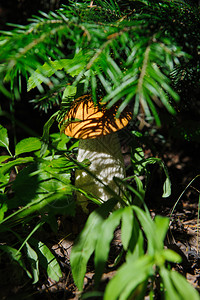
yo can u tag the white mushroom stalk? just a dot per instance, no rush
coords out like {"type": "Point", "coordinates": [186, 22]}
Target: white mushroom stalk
{"type": "Point", "coordinates": [97, 127]}
{"type": "Point", "coordinates": [106, 162]}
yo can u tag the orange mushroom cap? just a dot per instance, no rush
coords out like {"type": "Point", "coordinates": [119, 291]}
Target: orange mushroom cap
{"type": "Point", "coordinates": [84, 120]}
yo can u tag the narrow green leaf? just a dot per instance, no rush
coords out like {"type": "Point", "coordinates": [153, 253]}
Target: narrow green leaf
{"type": "Point", "coordinates": [4, 141]}
{"type": "Point", "coordinates": [4, 157]}
{"type": "Point", "coordinates": [166, 188]}
{"type": "Point", "coordinates": [129, 275]}
{"type": "Point", "coordinates": [170, 291]}
{"type": "Point", "coordinates": [15, 255]}
{"type": "Point", "coordinates": [135, 292]}
{"type": "Point", "coordinates": [185, 290]}
{"type": "Point", "coordinates": [71, 66]}
{"type": "Point", "coordinates": [3, 205]}
{"type": "Point", "coordinates": [43, 72]}
{"type": "Point", "coordinates": [136, 247]}
{"type": "Point", "coordinates": [34, 262]}
{"type": "Point", "coordinates": [19, 161]}
{"type": "Point", "coordinates": [45, 135]}
{"type": "Point", "coordinates": [51, 265]}
{"type": "Point", "coordinates": [103, 242]}
{"type": "Point", "coordinates": [171, 256]}
{"type": "Point", "coordinates": [27, 145]}
{"type": "Point", "coordinates": [148, 227]}
{"type": "Point", "coordinates": [85, 244]}
{"type": "Point", "coordinates": [127, 226]}
{"type": "Point", "coordinates": [162, 224]}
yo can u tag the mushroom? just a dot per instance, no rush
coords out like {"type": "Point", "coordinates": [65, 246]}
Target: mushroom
{"type": "Point", "coordinates": [96, 127]}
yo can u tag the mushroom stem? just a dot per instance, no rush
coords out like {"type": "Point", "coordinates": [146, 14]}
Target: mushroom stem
{"type": "Point", "coordinates": [106, 161]}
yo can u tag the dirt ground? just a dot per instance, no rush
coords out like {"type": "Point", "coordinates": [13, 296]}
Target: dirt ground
{"type": "Point", "coordinates": [182, 159]}
{"type": "Point", "coordinates": [183, 235]}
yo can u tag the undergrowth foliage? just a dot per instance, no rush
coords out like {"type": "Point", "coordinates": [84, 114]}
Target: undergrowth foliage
{"type": "Point", "coordinates": [139, 54]}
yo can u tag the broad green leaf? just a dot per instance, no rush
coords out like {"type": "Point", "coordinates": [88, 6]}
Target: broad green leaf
{"type": "Point", "coordinates": [59, 141]}
{"type": "Point", "coordinates": [27, 145]}
{"type": "Point", "coordinates": [129, 275]}
{"type": "Point", "coordinates": [184, 289]}
{"type": "Point", "coordinates": [49, 262]}
{"type": "Point", "coordinates": [4, 141]}
{"type": "Point", "coordinates": [49, 203]}
{"type": "Point", "coordinates": [34, 262]}
{"type": "Point", "coordinates": [106, 233]}
{"type": "Point", "coordinates": [85, 244]}
{"type": "Point", "coordinates": [40, 181]}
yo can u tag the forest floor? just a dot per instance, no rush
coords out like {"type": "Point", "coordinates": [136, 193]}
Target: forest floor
{"type": "Point", "coordinates": [182, 160]}
{"type": "Point", "coordinates": [183, 235]}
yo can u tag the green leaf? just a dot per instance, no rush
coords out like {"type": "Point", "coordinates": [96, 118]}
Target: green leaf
{"type": "Point", "coordinates": [149, 228]}
{"type": "Point", "coordinates": [171, 256]}
{"type": "Point", "coordinates": [4, 141]}
{"type": "Point", "coordinates": [85, 244]}
{"type": "Point", "coordinates": [27, 145]}
{"type": "Point", "coordinates": [59, 141]}
{"type": "Point", "coordinates": [129, 275]}
{"type": "Point", "coordinates": [166, 188]}
{"type": "Point", "coordinates": [136, 246]}
{"type": "Point", "coordinates": [167, 183]}
{"type": "Point", "coordinates": [43, 72]}
{"type": "Point", "coordinates": [16, 256]}
{"type": "Point", "coordinates": [34, 262]}
{"type": "Point", "coordinates": [49, 262]}
{"type": "Point", "coordinates": [127, 226]}
{"type": "Point", "coordinates": [185, 290]}
{"type": "Point", "coordinates": [45, 135]}
{"type": "Point", "coordinates": [39, 181]}
{"type": "Point", "coordinates": [73, 67]}
{"type": "Point", "coordinates": [137, 159]}
{"type": "Point", "coordinates": [49, 203]}
{"type": "Point", "coordinates": [10, 164]}
{"type": "Point", "coordinates": [3, 205]}
{"type": "Point", "coordinates": [4, 179]}
{"type": "Point", "coordinates": [106, 233]}
{"type": "Point", "coordinates": [4, 157]}
{"type": "Point", "coordinates": [70, 91]}
{"type": "Point", "coordinates": [162, 224]}
{"type": "Point", "coordinates": [170, 290]}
